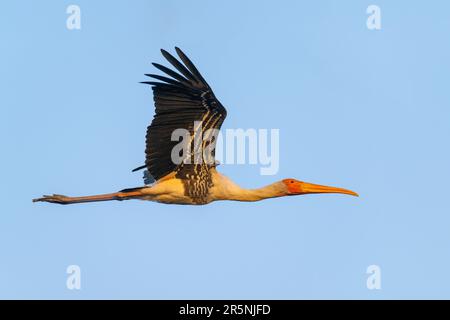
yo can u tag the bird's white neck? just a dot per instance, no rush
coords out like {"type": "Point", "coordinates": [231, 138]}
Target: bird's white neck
{"type": "Point", "coordinates": [270, 191]}
{"type": "Point", "coordinates": [231, 191]}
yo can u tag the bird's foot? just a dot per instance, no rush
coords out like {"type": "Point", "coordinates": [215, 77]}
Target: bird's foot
{"type": "Point", "coordinates": [56, 198]}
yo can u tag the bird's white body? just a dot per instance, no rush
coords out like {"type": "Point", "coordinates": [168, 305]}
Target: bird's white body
{"type": "Point", "coordinates": [172, 190]}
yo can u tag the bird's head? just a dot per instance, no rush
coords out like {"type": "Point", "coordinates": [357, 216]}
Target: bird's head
{"type": "Point", "coordinates": [294, 187]}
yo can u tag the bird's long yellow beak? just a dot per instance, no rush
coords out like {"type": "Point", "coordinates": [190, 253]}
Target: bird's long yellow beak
{"type": "Point", "coordinates": [307, 188]}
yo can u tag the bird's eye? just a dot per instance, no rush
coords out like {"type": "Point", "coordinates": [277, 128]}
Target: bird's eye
{"type": "Point", "coordinates": [292, 181]}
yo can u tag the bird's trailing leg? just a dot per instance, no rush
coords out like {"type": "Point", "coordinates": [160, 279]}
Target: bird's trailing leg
{"type": "Point", "coordinates": [126, 194]}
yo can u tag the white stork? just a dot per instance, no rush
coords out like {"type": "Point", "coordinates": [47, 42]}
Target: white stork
{"type": "Point", "coordinates": [180, 101]}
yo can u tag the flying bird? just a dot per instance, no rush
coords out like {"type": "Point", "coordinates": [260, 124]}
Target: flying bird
{"type": "Point", "coordinates": [182, 99]}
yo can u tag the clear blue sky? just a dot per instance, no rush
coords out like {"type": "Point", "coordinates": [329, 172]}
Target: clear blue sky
{"type": "Point", "coordinates": [366, 110]}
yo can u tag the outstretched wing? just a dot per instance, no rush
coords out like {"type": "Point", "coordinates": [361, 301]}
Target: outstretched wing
{"type": "Point", "coordinates": [183, 100]}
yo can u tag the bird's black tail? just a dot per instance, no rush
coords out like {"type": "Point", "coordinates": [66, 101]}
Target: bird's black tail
{"type": "Point", "coordinates": [139, 168]}
{"type": "Point", "coordinates": [132, 189]}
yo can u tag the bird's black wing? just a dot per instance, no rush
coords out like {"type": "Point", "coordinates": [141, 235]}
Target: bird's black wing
{"type": "Point", "coordinates": [183, 101]}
